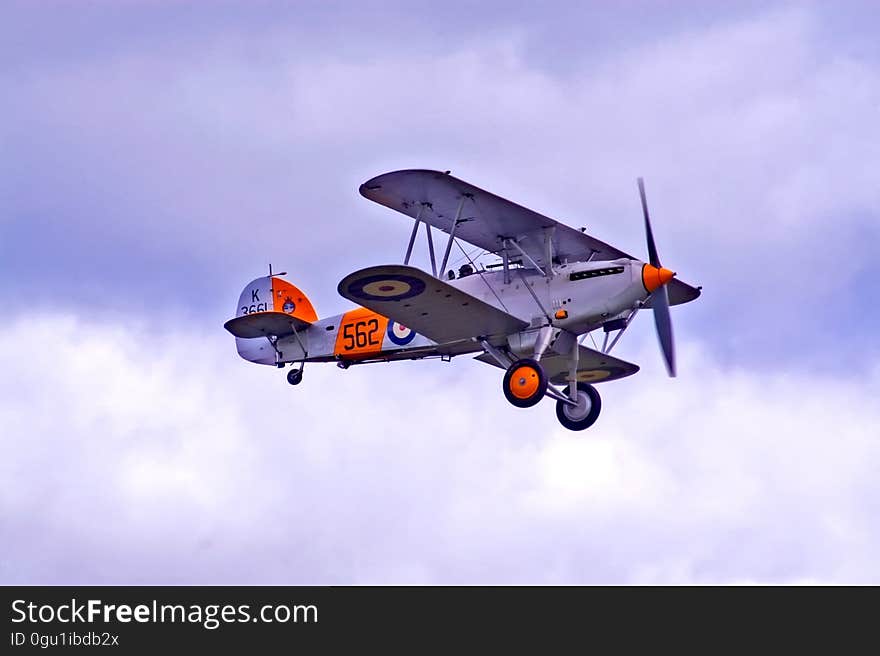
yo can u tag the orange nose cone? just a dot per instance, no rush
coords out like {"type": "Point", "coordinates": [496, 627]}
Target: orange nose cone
{"type": "Point", "coordinates": [653, 277]}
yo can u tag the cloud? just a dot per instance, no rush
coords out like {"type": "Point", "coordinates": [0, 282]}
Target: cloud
{"type": "Point", "coordinates": [153, 166]}
{"type": "Point", "coordinates": [129, 456]}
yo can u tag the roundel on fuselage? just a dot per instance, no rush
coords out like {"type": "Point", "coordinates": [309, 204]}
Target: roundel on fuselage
{"type": "Point", "coordinates": [400, 334]}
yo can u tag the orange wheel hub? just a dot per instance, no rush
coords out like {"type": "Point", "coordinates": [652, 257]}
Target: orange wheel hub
{"type": "Point", "coordinates": [524, 382]}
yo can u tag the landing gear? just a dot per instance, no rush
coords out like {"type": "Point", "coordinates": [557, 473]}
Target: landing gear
{"type": "Point", "coordinates": [295, 376]}
{"type": "Point", "coordinates": [584, 414]}
{"type": "Point", "coordinates": [525, 383]}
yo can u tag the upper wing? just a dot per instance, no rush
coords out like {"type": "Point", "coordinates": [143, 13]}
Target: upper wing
{"type": "Point", "coordinates": [486, 219]}
{"type": "Point", "coordinates": [429, 306]}
{"type": "Point", "coordinates": [593, 366]}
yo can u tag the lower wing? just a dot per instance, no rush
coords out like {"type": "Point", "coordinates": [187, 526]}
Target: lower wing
{"type": "Point", "coordinates": [593, 366]}
{"type": "Point", "coordinates": [429, 306]}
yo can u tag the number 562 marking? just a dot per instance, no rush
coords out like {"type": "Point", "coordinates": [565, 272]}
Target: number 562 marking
{"type": "Point", "coordinates": [360, 334]}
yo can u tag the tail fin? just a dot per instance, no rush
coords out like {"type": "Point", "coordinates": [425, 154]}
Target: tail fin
{"type": "Point", "coordinates": [268, 307]}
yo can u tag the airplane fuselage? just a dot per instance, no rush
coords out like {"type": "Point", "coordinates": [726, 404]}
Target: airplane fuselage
{"type": "Point", "coordinates": [578, 297]}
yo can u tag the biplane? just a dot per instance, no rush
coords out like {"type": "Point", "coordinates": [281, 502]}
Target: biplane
{"type": "Point", "coordinates": [527, 312]}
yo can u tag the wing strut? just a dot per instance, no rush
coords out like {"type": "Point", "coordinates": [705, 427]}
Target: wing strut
{"type": "Point", "coordinates": [412, 237]}
{"type": "Point", "coordinates": [548, 250]}
{"type": "Point", "coordinates": [431, 250]}
{"type": "Point", "coordinates": [452, 235]}
{"type": "Point", "coordinates": [414, 234]}
{"type": "Point", "coordinates": [524, 254]}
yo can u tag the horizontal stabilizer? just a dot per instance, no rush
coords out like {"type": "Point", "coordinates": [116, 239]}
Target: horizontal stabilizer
{"type": "Point", "coordinates": [264, 324]}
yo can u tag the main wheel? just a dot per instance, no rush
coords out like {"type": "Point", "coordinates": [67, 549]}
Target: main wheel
{"type": "Point", "coordinates": [294, 376]}
{"type": "Point", "coordinates": [584, 414]}
{"type": "Point", "coordinates": [525, 383]}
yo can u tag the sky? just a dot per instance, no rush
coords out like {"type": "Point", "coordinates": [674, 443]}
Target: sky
{"type": "Point", "coordinates": [156, 156]}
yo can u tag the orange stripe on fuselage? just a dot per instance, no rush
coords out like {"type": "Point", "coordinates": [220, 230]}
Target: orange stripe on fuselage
{"type": "Point", "coordinates": [360, 334]}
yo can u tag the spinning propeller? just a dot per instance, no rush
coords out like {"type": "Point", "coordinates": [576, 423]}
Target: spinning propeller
{"type": "Point", "coordinates": [656, 277]}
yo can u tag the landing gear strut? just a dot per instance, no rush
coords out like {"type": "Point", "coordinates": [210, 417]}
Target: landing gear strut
{"type": "Point", "coordinates": [295, 376]}
{"type": "Point", "coordinates": [525, 383]}
{"type": "Point", "coordinates": [584, 414]}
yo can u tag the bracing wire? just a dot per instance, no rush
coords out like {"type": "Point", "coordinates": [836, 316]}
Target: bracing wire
{"type": "Point", "coordinates": [481, 274]}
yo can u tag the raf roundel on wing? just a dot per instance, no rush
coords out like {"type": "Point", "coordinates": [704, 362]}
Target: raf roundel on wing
{"type": "Point", "coordinates": [387, 287]}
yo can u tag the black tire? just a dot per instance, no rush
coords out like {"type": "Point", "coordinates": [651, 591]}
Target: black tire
{"type": "Point", "coordinates": [294, 376]}
{"type": "Point", "coordinates": [536, 388]}
{"type": "Point", "coordinates": [578, 423]}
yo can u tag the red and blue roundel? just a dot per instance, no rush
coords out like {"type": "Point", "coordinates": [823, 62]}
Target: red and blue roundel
{"type": "Point", "coordinates": [400, 334]}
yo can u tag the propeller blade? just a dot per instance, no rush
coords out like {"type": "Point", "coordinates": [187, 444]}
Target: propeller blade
{"type": "Point", "coordinates": [663, 323]}
{"type": "Point", "coordinates": [660, 297]}
{"type": "Point", "coordinates": [653, 258]}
